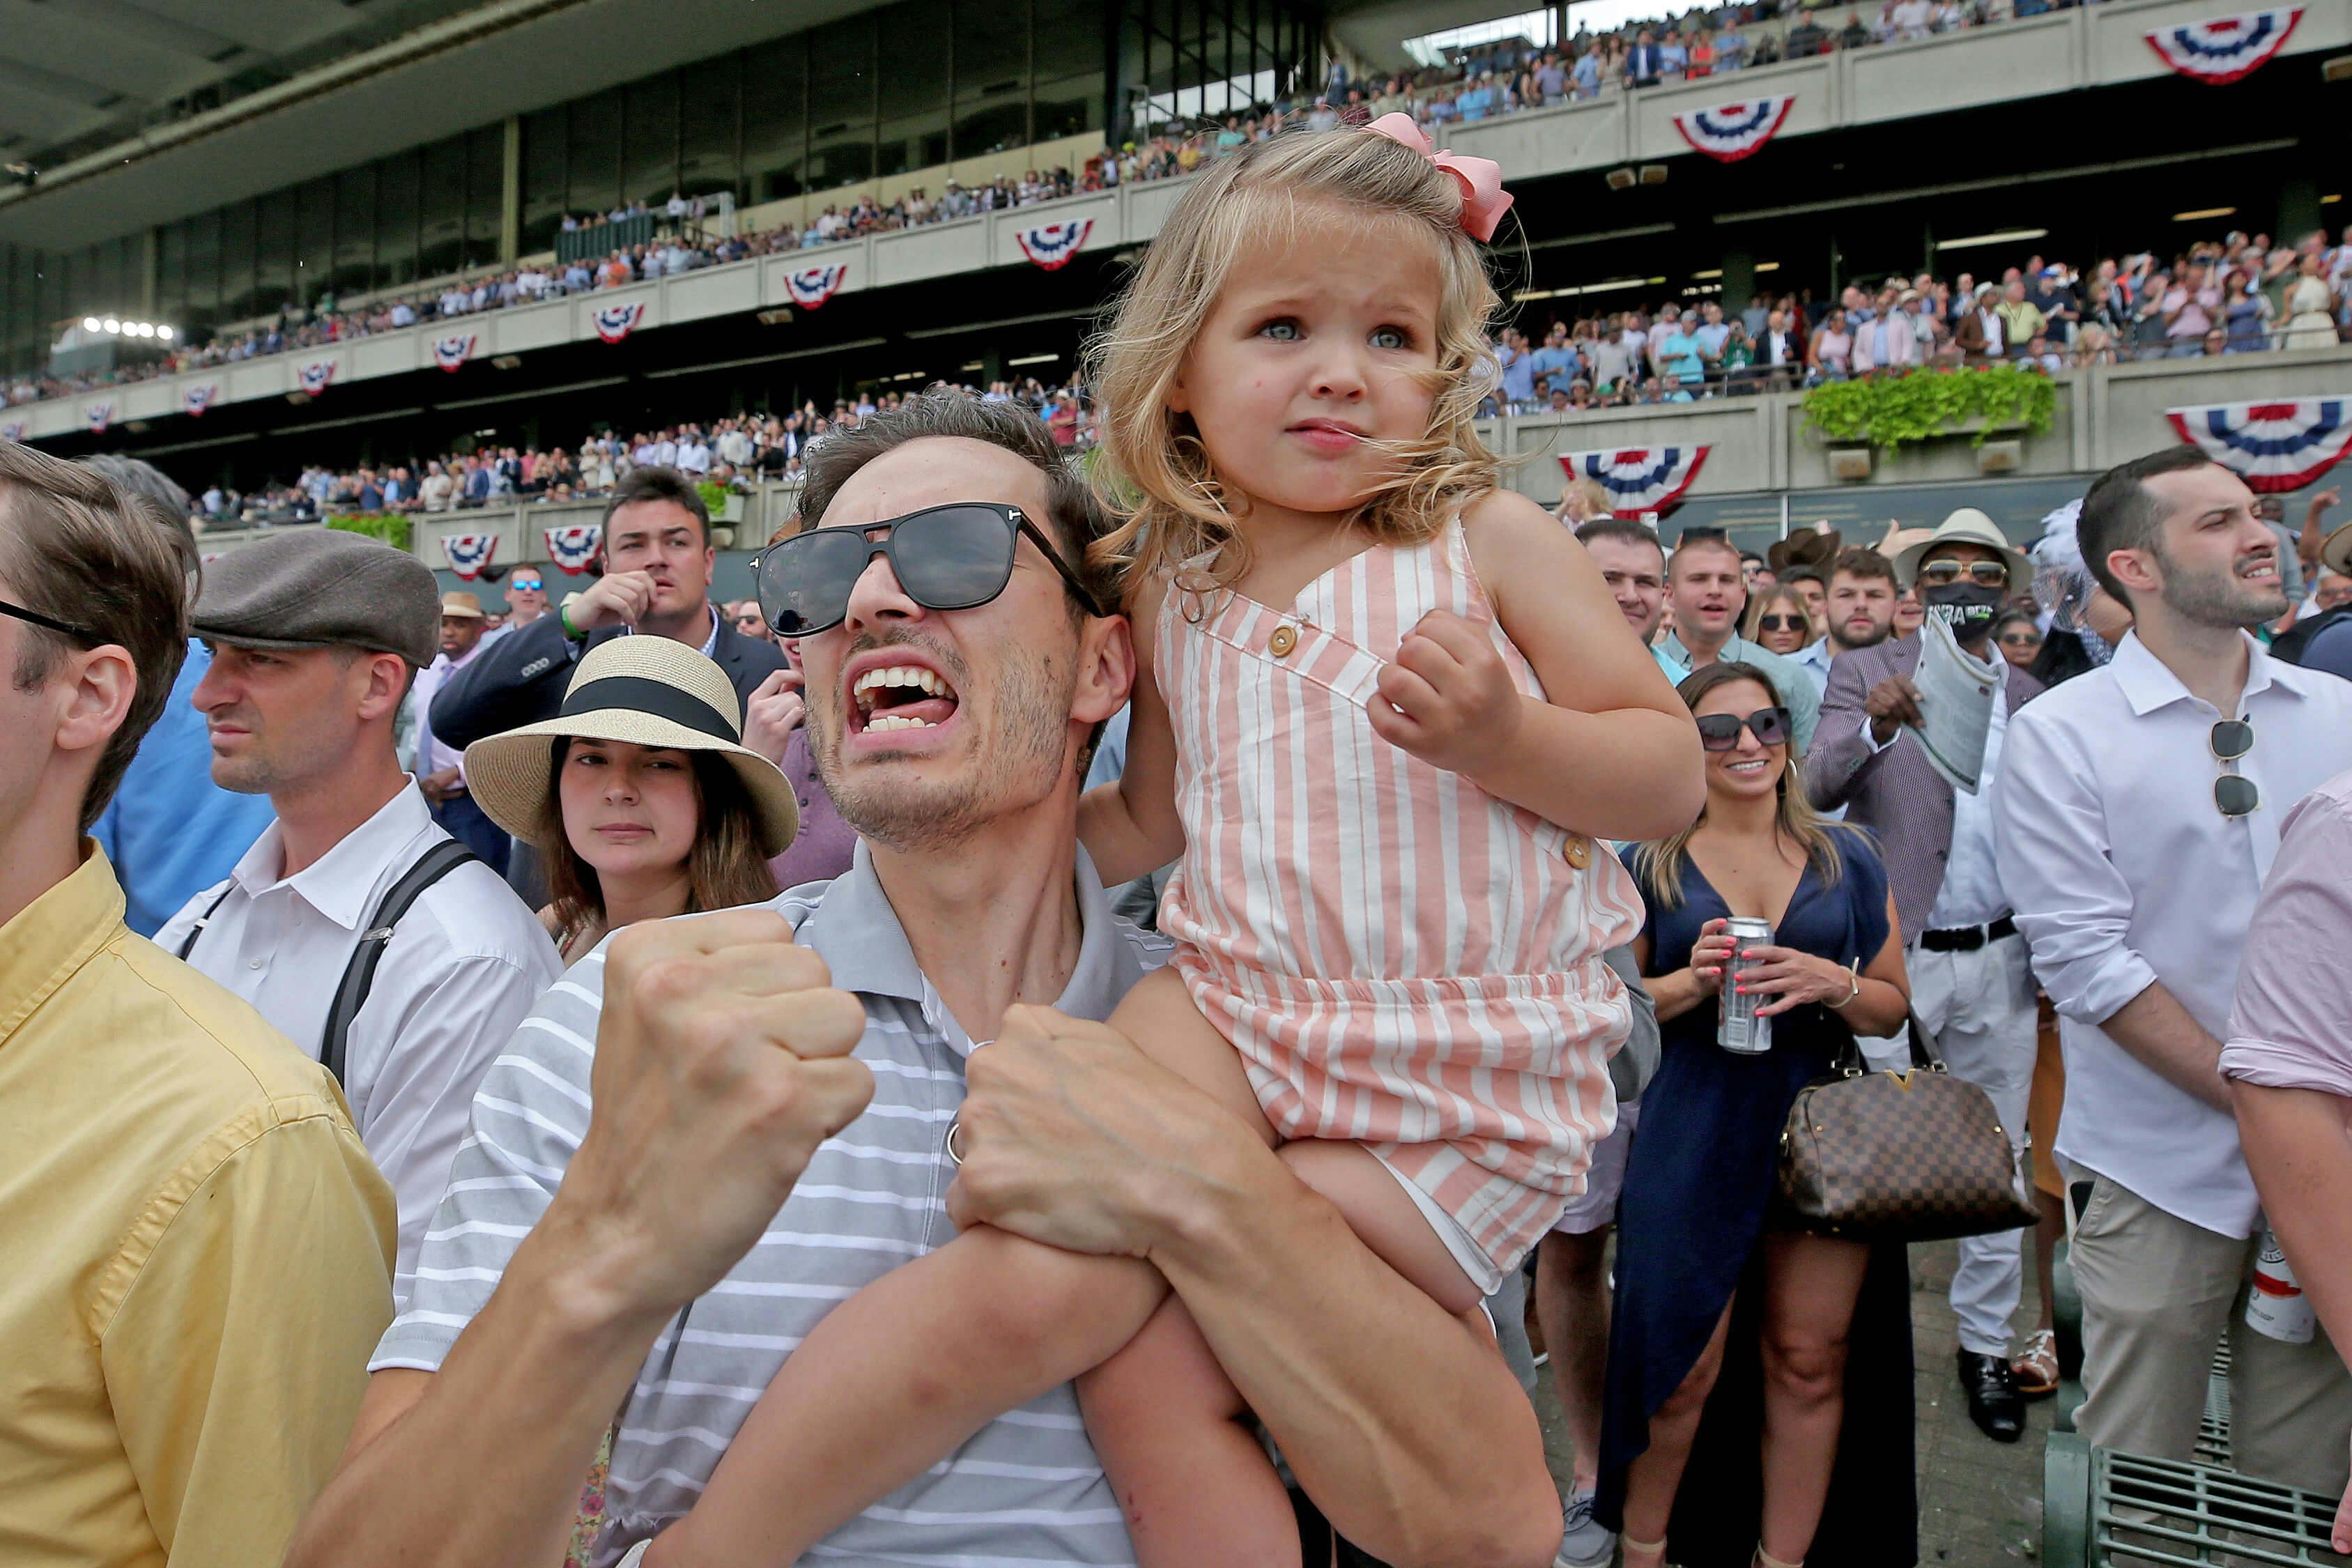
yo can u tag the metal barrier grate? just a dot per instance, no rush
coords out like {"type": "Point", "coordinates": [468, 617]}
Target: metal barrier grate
{"type": "Point", "coordinates": [2213, 1429]}
{"type": "Point", "coordinates": [2163, 1513]}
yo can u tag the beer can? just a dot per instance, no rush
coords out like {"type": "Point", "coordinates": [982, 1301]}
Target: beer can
{"type": "Point", "coordinates": [1742, 1032]}
{"type": "Point", "coordinates": [2275, 1305]}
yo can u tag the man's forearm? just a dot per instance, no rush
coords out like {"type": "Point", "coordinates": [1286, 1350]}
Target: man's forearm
{"type": "Point", "coordinates": [485, 1467]}
{"type": "Point", "coordinates": [1403, 1423]}
{"type": "Point", "coordinates": [2158, 1032]}
{"type": "Point", "coordinates": [2299, 1147]}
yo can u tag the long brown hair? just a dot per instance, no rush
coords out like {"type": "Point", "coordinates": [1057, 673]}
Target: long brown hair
{"type": "Point", "coordinates": [724, 869]}
{"type": "Point", "coordinates": [1659, 863]}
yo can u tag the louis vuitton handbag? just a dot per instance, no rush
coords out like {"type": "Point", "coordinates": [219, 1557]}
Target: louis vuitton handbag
{"type": "Point", "coordinates": [1911, 1155]}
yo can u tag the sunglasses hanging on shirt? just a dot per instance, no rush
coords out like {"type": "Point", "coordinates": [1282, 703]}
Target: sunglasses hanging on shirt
{"type": "Point", "coordinates": [2234, 794]}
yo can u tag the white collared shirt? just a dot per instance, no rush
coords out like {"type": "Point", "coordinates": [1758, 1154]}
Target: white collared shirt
{"type": "Point", "coordinates": [433, 753]}
{"type": "Point", "coordinates": [2123, 873]}
{"type": "Point", "coordinates": [1815, 656]}
{"type": "Point", "coordinates": [460, 972]}
{"type": "Point", "coordinates": [1971, 894]}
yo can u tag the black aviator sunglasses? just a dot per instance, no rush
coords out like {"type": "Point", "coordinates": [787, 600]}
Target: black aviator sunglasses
{"type": "Point", "coordinates": [951, 557]}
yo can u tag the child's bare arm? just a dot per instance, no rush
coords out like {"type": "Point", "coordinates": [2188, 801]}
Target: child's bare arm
{"type": "Point", "coordinates": [894, 1378]}
{"type": "Point", "coordinates": [1131, 829]}
{"type": "Point", "coordinates": [1613, 754]}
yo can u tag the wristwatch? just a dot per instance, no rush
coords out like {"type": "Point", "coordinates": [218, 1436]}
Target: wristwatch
{"type": "Point", "coordinates": [563, 618]}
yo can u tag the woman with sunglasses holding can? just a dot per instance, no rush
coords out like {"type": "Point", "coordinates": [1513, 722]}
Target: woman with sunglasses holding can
{"type": "Point", "coordinates": [1718, 1312]}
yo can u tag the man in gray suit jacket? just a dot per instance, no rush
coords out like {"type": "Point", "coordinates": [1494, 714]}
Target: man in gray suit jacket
{"type": "Point", "coordinates": [1971, 982]}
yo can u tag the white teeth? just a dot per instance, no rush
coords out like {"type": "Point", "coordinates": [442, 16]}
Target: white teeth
{"type": "Point", "coordinates": [907, 675]}
{"type": "Point", "coordinates": [897, 722]}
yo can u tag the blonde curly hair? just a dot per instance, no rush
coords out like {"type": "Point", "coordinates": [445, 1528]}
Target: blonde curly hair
{"type": "Point", "coordinates": [1151, 466]}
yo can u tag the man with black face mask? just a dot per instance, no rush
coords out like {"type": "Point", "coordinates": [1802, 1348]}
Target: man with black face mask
{"type": "Point", "coordinates": [1970, 984]}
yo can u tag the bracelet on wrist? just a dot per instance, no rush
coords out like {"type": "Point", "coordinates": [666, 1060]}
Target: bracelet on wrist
{"type": "Point", "coordinates": [563, 619]}
{"type": "Point", "coordinates": [1853, 984]}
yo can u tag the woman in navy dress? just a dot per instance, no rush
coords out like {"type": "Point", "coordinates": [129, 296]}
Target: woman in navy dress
{"type": "Point", "coordinates": [1727, 1323]}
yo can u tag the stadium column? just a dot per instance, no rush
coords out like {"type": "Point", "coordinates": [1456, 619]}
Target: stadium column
{"type": "Point", "coordinates": [510, 194]}
{"type": "Point", "coordinates": [1738, 281]}
{"type": "Point", "coordinates": [150, 241]}
{"type": "Point", "coordinates": [2299, 211]}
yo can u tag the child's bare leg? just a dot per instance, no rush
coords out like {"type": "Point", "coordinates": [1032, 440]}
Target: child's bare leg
{"type": "Point", "coordinates": [994, 1321]}
{"type": "Point", "coordinates": [1167, 1423]}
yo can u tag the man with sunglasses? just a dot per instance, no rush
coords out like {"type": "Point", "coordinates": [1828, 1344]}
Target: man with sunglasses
{"type": "Point", "coordinates": [2137, 813]}
{"type": "Point", "coordinates": [675, 1222]}
{"type": "Point", "coordinates": [526, 595]}
{"type": "Point", "coordinates": [1970, 983]}
{"type": "Point", "coordinates": [657, 583]}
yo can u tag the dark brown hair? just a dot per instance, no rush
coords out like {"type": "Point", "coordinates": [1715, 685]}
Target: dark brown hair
{"type": "Point", "coordinates": [724, 869]}
{"type": "Point", "coordinates": [79, 549]}
{"type": "Point", "coordinates": [1861, 561]}
{"type": "Point", "coordinates": [659, 484]}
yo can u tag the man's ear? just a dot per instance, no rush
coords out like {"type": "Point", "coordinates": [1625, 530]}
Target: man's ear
{"type": "Point", "coordinates": [2136, 570]}
{"type": "Point", "coordinates": [1106, 668]}
{"type": "Point", "coordinates": [99, 688]}
{"type": "Point", "coordinates": [383, 681]}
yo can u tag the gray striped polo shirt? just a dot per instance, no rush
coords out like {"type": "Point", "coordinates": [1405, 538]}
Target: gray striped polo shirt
{"type": "Point", "coordinates": [1026, 1488]}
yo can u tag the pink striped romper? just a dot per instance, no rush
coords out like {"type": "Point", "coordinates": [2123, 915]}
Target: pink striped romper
{"type": "Point", "coordinates": [1402, 960]}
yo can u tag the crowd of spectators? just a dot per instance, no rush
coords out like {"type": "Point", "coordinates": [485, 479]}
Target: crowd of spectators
{"type": "Point", "coordinates": [737, 454]}
{"type": "Point", "coordinates": [2239, 294]}
{"type": "Point", "coordinates": [1496, 78]}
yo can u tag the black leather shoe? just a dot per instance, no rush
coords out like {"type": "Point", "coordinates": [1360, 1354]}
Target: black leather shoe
{"type": "Point", "coordinates": [1994, 1404]}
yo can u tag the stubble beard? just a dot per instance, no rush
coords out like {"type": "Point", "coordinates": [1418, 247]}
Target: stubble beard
{"type": "Point", "coordinates": [2218, 599]}
{"type": "Point", "coordinates": [1015, 764]}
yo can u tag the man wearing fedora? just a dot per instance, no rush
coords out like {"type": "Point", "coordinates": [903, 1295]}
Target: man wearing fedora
{"type": "Point", "coordinates": [657, 583]}
{"type": "Point", "coordinates": [1971, 982]}
{"type": "Point", "coordinates": [314, 639]}
{"type": "Point", "coordinates": [440, 770]}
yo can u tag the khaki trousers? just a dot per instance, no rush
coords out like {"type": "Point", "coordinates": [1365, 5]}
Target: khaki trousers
{"type": "Point", "coordinates": [2158, 1293]}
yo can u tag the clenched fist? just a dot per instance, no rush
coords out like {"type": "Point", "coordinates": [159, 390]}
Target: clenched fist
{"type": "Point", "coordinates": [722, 1061]}
{"type": "Point", "coordinates": [775, 711]}
{"type": "Point", "coordinates": [622, 598]}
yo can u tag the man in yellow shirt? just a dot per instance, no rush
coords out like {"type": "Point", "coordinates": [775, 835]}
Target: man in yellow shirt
{"type": "Point", "coordinates": [198, 1249]}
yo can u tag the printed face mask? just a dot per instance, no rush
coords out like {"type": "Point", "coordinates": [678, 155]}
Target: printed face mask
{"type": "Point", "coordinates": [1968, 608]}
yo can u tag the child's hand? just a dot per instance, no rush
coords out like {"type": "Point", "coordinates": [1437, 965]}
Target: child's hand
{"type": "Point", "coordinates": [1447, 697]}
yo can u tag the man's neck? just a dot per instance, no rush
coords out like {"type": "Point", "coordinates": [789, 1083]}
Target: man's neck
{"type": "Point", "coordinates": [993, 922]}
{"type": "Point", "coordinates": [693, 628]}
{"type": "Point", "coordinates": [42, 847]}
{"type": "Point", "coordinates": [322, 813]}
{"type": "Point", "coordinates": [2210, 661]}
{"type": "Point", "coordinates": [1703, 647]}
{"type": "Point", "coordinates": [524, 618]}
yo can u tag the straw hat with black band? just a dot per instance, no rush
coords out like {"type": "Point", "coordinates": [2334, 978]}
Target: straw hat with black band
{"type": "Point", "coordinates": [2335, 554]}
{"type": "Point", "coordinates": [648, 692]}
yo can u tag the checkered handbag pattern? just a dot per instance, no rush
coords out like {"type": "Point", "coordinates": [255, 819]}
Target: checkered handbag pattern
{"type": "Point", "coordinates": [1909, 1155]}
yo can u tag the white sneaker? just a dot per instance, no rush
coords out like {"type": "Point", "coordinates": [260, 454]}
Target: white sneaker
{"type": "Point", "coordinates": [1583, 1544]}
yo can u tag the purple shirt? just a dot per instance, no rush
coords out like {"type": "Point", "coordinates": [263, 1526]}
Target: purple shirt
{"type": "Point", "coordinates": [821, 850]}
{"type": "Point", "coordinates": [2291, 1026]}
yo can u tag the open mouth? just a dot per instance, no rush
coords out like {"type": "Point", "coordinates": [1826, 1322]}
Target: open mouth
{"type": "Point", "coordinates": [890, 698]}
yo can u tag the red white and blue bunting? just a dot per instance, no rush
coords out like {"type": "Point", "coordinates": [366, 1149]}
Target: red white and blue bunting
{"type": "Point", "coordinates": [14, 430]}
{"type": "Point", "coordinates": [1638, 478]}
{"type": "Point", "coordinates": [1731, 131]}
{"type": "Point", "coordinates": [615, 322]}
{"type": "Point", "coordinates": [467, 553]}
{"type": "Point", "coordinates": [451, 352]}
{"type": "Point", "coordinates": [574, 546]}
{"type": "Point", "coordinates": [98, 416]}
{"type": "Point", "coordinates": [197, 398]}
{"type": "Point", "coordinates": [1053, 245]}
{"type": "Point", "coordinates": [2226, 48]}
{"type": "Point", "coordinates": [814, 286]}
{"type": "Point", "coordinates": [316, 377]}
{"type": "Point", "coordinates": [2270, 445]}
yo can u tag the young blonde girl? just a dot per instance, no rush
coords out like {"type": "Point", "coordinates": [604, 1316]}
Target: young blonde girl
{"type": "Point", "coordinates": [1383, 708]}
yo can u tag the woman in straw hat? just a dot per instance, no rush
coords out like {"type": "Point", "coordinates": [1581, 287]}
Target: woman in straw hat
{"type": "Point", "coordinates": [639, 794]}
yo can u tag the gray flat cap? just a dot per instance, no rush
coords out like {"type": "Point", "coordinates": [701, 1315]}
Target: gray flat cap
{"type": "Point", "coordinates": [323, 588]}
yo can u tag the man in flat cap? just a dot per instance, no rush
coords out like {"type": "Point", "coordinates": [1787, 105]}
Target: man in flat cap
{"type": "Point", "coordinates": [315, 637]}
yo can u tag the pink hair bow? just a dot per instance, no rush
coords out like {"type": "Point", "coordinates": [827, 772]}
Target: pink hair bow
{"type": "Point", "coordinates": [1483, 200]}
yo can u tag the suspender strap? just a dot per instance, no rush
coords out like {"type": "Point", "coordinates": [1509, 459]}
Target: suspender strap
{"type": "Point", "coordinates": [197, 930]}
{"type": "Point", "coordinates": [351, 994]}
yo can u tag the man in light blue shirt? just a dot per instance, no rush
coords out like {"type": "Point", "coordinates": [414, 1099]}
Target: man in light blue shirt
{"type": "Point", "coordinates": [1703, 588]}
{"type": "Point", "coordinates": [170, 831]}
{"type": "Point", "coordinates": [1518, 369]}
{"type": "Point", "coordinates": [1555, 360]}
